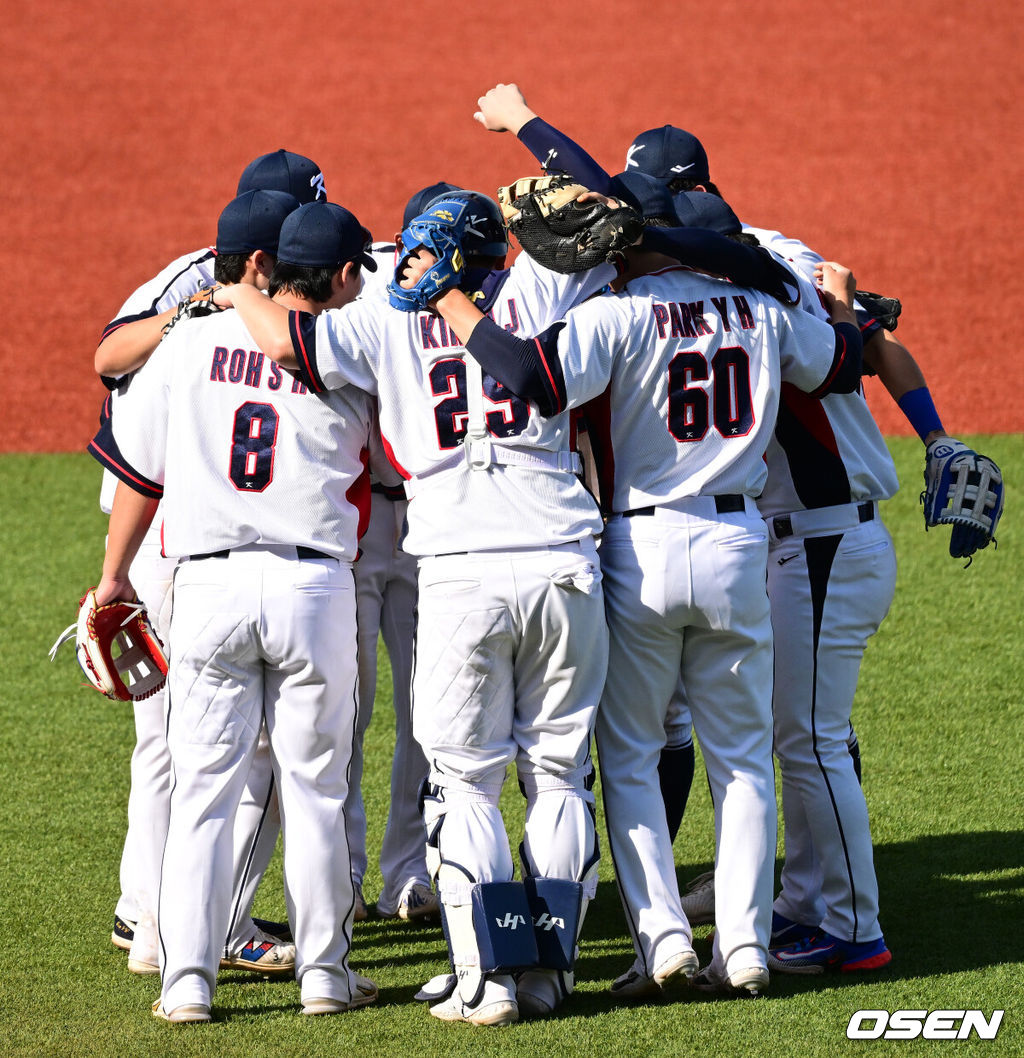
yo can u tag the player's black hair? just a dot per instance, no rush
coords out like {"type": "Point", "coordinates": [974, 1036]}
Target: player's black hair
{"type": "Point", "coordinates": [744, 238]}
{"type": "Point", "coordinates": [313, 284]}
{"type": "Point", "coordinates": [681, 183]}
{"type": "Point", "coordinates": [229, 267]}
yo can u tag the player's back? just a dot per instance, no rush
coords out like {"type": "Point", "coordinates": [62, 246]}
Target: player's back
{"type": "Point", "coordinates": [695, 367]}
{"type": "Point", "coordinates": [246, 454]}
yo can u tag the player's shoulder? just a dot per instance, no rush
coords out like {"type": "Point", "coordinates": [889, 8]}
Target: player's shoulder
{"type": "Point", "coordinates": [789, 249]}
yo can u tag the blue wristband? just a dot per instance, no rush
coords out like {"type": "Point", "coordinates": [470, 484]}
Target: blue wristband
{"type": "Point", "coordinates": [917, 406]}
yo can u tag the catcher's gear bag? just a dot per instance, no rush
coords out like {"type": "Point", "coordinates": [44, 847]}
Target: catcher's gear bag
{"type": "Point", "coordinates": [962, 489]}
{"type": "Point", "coordinates": [439, 230]}
{"type": "Point", "coordinates": [883, 310]}
{"type": "Point", "coordinates": [117, 649]}
{"type": "Point", "coordinates": [200, 303]}
{"type": "Point", "coordinates": [560, 233]}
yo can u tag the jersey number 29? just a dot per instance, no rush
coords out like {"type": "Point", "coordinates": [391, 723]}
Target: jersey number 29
{"type": "Point", "coordinates": [448, 379]}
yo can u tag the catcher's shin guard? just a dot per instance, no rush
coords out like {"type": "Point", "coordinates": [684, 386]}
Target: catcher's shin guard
{"type": "Point", "coordinates": [487, 927]}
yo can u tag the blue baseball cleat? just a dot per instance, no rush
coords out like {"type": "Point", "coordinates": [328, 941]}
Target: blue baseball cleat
{"type": "Point", "coordinates": [822, 952]}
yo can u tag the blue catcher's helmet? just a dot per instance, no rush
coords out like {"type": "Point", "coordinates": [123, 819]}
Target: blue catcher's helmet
{"type": "Point", "coordinates": [483, 232]}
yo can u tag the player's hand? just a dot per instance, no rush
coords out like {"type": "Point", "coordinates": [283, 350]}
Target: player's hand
{"type": "Point", "coordinates": [503, 109]}
{"type": "Point", "coordinates": [414, 267]}
{"type": "Point", "coordinates": [836, 280]}
{"type": "Point", "coordinates": [111, 589]}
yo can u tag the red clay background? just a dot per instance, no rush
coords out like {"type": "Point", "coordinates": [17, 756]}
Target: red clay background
{"type": "Point", "coordinates": [886, 135]}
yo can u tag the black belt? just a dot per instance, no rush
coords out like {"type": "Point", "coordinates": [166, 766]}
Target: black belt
{"type": "Point", "coordinates": [783, 526]}
{"type": "Point", "coordinates": [300, 552]}
{"type": "Point", "coordinates": [728, 504]}
{"type": "Point", "coordinates": [391, 492]}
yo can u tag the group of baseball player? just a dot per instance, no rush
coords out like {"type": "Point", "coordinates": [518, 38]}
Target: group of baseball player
{"type": "Point", "coordinates": [312, 440]}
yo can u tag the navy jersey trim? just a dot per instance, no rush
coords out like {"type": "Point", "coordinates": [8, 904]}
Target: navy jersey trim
{"type": "Point", "coordinates": [302, 327]}
{"type": "Point", "coordinates": [847, 363]}
{"type": "Point", "coordinates": [103, 448]}
{"type": "Point", "coordinates": [806, 436]}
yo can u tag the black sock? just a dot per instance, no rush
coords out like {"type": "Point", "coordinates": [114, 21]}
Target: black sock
{"type": "Point", "coordinates": [675, 774]}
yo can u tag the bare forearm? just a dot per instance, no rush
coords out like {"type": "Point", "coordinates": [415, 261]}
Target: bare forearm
{"type": "Point", "coordinates": [892, 362]}
{"type": "Point", "coordinates": [265, 320]}
{"type": "Point", "coordinates": [130, 518]}
{"type": "Point", "coordinates": [131, 345]}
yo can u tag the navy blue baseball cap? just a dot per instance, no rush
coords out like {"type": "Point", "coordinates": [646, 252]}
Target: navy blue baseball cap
{"type": "Point", "coordinates": [650, 197]}
{"type": "Point", "coordinates": [324, 235]}
{"type": "Point", "coordinates": [253, 221]}
{"type": "Point", "coordinates": [284, 171]}
{"type": "Point", "coordinates": [667, 153]}
{"type": "Point", "coordinates": [419, 202]}
{"type": "Point", "coordinates": [698, 209]}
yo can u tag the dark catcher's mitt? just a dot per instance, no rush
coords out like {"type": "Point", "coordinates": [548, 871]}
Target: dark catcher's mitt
{"type": "Point", "coordinates": [561, 233]}
{"type": "Point", "coordinates": [885, 311]}
{"type": "Point", "coordinates": [965, 490]}
{"type": "Point", "coordinates": [117, 649]}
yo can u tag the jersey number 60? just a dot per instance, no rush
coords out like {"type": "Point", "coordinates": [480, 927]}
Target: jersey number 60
{"type": "Point", "coordinates": [689, 406]}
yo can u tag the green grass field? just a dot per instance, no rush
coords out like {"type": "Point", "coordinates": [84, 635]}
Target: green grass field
{"type": "Point", "coordinates": [939, 719]}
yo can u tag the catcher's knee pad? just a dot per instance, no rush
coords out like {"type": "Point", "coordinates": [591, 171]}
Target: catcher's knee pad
{"type": "Point", "coordinates": [488, 927]}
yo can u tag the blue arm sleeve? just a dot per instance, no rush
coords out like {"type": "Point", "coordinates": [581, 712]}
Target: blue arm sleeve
{"type": "Point", "coordinates": [529, 367]}
{"type": "Point", "coordinates": [746, 266]}
{"type": "Point", "coordinates": [556, 152]}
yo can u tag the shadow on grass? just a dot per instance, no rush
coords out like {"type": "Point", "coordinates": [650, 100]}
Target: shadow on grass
{"type": "Point", "coordinates": [950, 903]}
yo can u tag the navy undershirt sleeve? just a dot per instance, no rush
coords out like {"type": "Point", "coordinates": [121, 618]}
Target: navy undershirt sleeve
{"type": "Point", "coordinates": [529, 367]}
{"type": "Point", "coordinates": [848, 363]}
{"type": "Point", "coordinates": [557, 153]}
{"type": "Point", "coordinates": [746, 266]}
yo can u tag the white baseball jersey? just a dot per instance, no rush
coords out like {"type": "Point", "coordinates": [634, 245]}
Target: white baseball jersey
{"type": "Point", "coordinates": [694, 383]}
{"type": "Point", "coordinates": [415, 364]}
{"type": "Point", "coordinates": [273, 464]}
{"type": "Point", "coordinates": [827, 451]}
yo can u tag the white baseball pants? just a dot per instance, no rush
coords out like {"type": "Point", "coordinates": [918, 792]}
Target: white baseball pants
{"type": "Point", "coordinates": [685, 592]}
{"type": "Point", "coordinates": [259, 636]}
{"type": "Point", "coordinates": [829, 594]}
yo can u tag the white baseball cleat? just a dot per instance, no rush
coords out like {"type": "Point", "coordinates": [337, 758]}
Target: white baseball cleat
{"type": "Point", "coordinates": [699, 900]}
{"type": "Point", "coordinates": [748, 983]}
{"type": "Point", "coordinates": [143, 956]}
{"type": "Point", "coordinates": [364, 992]}
{"type": "Point", "coordinates": [186, 1014]}
{"type": "Point", "coordinates": [419, 903]}
{"type": "Point", "coordinates": [264, 954]}
{"type": "Point", "coordinates": [497, 1005]}
{"type": "Point", "coordinates": [635, 984]}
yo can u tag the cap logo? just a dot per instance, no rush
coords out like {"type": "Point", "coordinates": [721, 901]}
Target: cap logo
{"type": "Point", "coordinates": [471, 225]}
{"type": "Point", "coordinates": [317, 181]}
{"type": "Point", "coordinates": [632, 150]}
{"type": "Point", "coordinates": [682, 168]}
